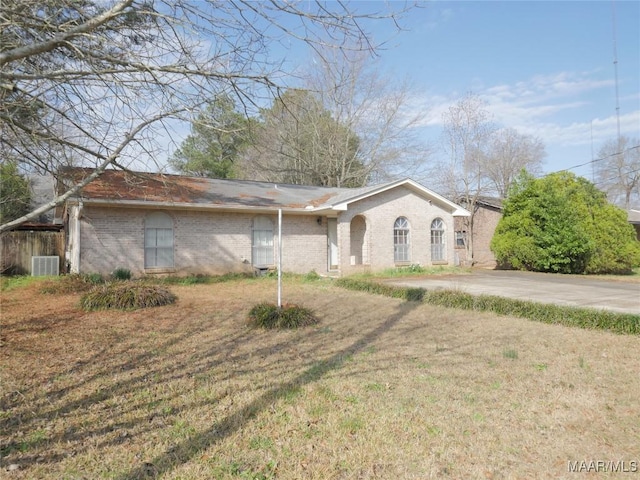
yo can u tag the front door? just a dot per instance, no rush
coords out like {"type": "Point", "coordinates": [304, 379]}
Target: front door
{"type": "Point", "coordinates": [332, 243]}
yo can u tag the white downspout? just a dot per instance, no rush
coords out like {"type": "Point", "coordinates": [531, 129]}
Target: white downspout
{"type": "Point", "coordinates": [75, 266]}
{"type": "Point", "coordinates": [279, 258]}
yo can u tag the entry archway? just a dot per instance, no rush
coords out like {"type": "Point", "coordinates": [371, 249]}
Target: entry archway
{"type": "Point", "coordinates": [359, 248]}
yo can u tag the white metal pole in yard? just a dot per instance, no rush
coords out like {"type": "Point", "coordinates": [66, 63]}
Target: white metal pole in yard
{"type": "Point", "coordinates": [279, 258]}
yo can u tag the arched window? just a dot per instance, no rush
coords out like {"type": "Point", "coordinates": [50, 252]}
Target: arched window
{"type": "Point", "coordinates": [262, 242]}
{"type": "Point", "coordinates": [401, 240]}
{"type": "Point", "coordinates": [158, 241]}
{"type": "Point", "coordinates": [437, 240]}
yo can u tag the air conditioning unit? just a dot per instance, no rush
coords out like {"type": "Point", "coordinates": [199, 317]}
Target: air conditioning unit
{"type": "Point", "coordinates": [45, 266]}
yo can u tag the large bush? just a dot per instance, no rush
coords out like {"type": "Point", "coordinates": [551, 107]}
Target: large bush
{"type": "Point", "coordinates": [562, 223]}
{"type": "Point", "coordinates": [126, 296]}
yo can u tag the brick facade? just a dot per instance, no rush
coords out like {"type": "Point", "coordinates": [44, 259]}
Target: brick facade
{"type": "Point", "coordinates": [380, 213]}
{"type": "Point", "coordinates": [485, 221]}
{"type": "Point", "coordinates": [204, 242]}
{"type": "Point", "coordinates": [218, 242]}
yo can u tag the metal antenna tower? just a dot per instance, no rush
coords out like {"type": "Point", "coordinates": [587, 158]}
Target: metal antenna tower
{"type": "Point", "coordinates": [615, 66]}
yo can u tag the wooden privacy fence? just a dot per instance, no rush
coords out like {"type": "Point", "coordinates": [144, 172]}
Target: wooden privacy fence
{"type": "Point", "coordinates": [17, 248]}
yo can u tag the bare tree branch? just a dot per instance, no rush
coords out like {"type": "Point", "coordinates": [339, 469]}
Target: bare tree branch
{"type": "Point", "coordinates": [65, 36]}
{"type": "Point", "coordinates": [78, 77]}
{"type": "Point", "coordinates": [73, 190]}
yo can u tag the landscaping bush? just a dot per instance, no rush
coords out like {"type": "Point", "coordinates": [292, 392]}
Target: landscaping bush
{"type": "Point", "coordinates": [121, 274]}
{"type": "Point", "coordinates": [413, 269]}
{"type": "Point", "coordinates": [546, 313]}
{"type": "Point", "coordinates": [198, 279]}
{"type": "Point", "coordinates": [312, 276]}
{"type": "Point", "coordinates": [268, 315]}
{"type": "Point", "coordinates": [126, 296]}
{"type": "Point", "coordinates": [562, 223]}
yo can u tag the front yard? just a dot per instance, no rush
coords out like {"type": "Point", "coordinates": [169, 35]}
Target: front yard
{"type": "Point", "coordinates": [381, 388]}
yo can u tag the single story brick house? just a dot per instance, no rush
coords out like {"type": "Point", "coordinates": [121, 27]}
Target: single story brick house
{"type": "Point", "coordinates": [156, 223]}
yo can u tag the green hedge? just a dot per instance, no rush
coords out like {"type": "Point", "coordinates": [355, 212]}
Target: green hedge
{"type": "Point", "coordinates": [623, 323]}
{"type": "Point", "coordinates": [405, 293]}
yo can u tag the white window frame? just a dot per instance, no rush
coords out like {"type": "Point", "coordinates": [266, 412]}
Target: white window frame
{"type": "Point", "coordinates": [262, 242]}
{"type": "Point", "coordinates": [401, 240]}
{"type": "Point", "coordinates": [461, 238]}
{"type": "Point", "coordinates": [438, 240]}
{"type": "Point", "coordinates": [158, 241]}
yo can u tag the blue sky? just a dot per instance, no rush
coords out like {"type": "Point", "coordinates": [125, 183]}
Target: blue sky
{"type": "Point", "coordinates": [543, 67]}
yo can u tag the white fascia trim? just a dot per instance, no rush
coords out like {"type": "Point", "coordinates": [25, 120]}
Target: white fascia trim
{"type": "Point", "coordinates": [194, 206]}
{"type": "Point", "coordinates": [461, 212]}
{"type": "Point", "coordinates": [458, 211]}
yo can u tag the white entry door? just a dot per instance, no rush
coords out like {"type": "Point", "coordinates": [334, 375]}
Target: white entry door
{"type": "Point", "coordinates": [332, 243]}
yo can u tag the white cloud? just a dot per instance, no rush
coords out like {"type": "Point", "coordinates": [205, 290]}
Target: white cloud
{"type": "Point", "coordinates": [597, 130]}
{"type": "Point", "coordinates": [559, 108]}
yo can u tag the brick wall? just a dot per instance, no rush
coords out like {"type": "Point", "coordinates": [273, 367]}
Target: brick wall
{"type": "Point", "coordinates": [216, 243]}
{"type": "Point", "coordinates": [380, 212]}
{"type": "Point", "coordinates": [485, 222]}
{"type": "Point", "coordinates": [111, 238]}
{"type": "Point", "coordinates": [204, 242]}
{"type": "Point", "coordinates": [304, 244]}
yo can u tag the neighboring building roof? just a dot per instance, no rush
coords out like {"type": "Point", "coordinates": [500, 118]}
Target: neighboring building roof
{"type": "Point", "coordinates": [634, 216]}
{"type": "Point", "coordinates": [135, 188]}
{"type": "Point", "coordinates": [494, 202]}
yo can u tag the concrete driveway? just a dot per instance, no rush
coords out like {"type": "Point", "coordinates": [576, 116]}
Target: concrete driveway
{"type": "Point", "coordinates": [582, 291]}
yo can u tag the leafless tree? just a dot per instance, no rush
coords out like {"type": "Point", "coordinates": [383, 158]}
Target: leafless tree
{"type": "Point", "coordinates": [509, 153]}
{"type": "Point", "coordinates": [348, 125]}
{"type": "Point", "coordinates": [297, 141]}
{"type": "Point", "coordinates": [96, 82]}
{"type": "Point", "coordinates": [468, 133]}
{"type": "Point", "coordinates": [617, 171]}
{"type": "Point", "coordinates": [482, 160]}
{"type": "Point", "coordinates": [373, 105]}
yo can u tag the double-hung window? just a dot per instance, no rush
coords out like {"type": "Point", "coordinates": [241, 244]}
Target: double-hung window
{"type": "Point", "coordinates": [158, 241]}
{"type": "Point", "coordinates": [262, 242]}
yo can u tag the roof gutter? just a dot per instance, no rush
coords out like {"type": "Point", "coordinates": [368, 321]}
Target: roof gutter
{"type": "Point", "coordinates": [309, 209]}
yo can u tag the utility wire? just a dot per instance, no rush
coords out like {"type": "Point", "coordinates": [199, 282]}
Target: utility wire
{"type": "Point", "coordinates": [599, 159]}
{"type": "Point", "coordinates": [604, 181]}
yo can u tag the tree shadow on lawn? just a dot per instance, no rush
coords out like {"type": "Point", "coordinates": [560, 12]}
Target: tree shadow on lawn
{"type": "Point", "coordinates": [191, 447]}
{"type": "Point", "coordinates": [30, 410]}
{"type": "Point", "coordinates": [27, 415]}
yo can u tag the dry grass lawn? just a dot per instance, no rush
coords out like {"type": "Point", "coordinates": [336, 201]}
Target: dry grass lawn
{"type": "Point", "coordinates": [379, 389]}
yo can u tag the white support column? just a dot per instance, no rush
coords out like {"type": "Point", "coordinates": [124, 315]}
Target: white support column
{"type": "Point", "coordinates": [279, 258]}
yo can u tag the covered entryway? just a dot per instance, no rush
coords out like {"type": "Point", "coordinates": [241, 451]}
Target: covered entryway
{"type": "Point", "coordinates": [359, 246]}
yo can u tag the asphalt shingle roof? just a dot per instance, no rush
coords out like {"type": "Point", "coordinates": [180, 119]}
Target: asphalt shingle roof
{"type": "Point", "coordinates": [118, 185]}
{"type": "Point", "coordinates": [126, 187]}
